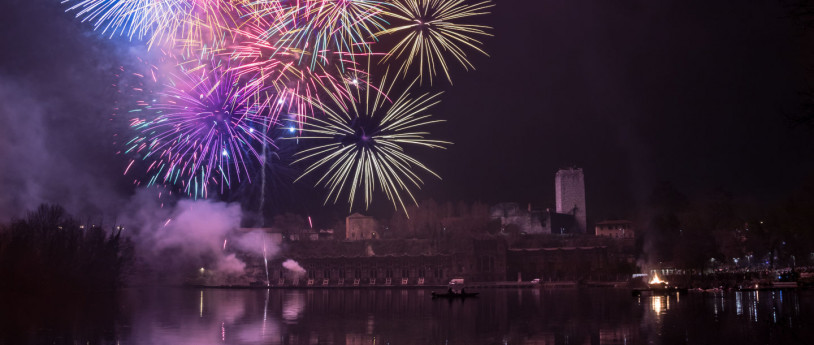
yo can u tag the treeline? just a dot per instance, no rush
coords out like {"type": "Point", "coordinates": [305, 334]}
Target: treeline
{"type": "Point", "coordinates": [722, 231]}
{"type": "Point", "coordinates": [48, 250]}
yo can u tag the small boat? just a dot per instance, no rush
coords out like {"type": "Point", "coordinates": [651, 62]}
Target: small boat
{"type": "Point", "coordinates": [456, 290]}
{"type": "Point", "coordinates": [455, 295]}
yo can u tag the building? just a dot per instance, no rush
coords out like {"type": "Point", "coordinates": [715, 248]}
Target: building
{"type": "Point", "coordinates": [360, 227]}
{"type": "Point", "coordinates": [391, 262]}
{"type": "Point", "coordinates": [557, 263]}
{"type": "Point", "coordinates": [528, 221]}
{"type": "Point", "coordinates": [615, 229]}
{"type": "Point", "coordinates": [569, 189]}
{"type": "Point", "coordinates": [414, 262]}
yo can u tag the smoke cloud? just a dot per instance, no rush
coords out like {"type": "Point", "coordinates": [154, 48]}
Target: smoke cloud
{"type": "Point", "coordinates": [294, 267]}
{"type": "Point", "coordinates": [191, 241]}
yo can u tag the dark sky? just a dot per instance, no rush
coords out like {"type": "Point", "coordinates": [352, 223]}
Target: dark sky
{"type": "Point", "coordinates": [635, 92]}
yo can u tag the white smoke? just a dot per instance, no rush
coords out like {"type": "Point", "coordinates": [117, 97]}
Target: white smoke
{"type": "Point", "coordinates": [190, 241]}
{"type": "Point", "coordinates": [294, 267]}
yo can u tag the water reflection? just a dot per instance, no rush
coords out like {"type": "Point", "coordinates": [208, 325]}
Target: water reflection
{"type": "Point", "coordinates": [410, 316]}
{"type": "Point", "coordinates": [293, 305]}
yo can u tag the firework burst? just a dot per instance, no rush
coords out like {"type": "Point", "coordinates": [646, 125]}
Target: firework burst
{"type": "Point", "coordinates": [204, 129]}
{"type": "Point", "coordinates": [189, 24]}
{"type": "Point", "coordinates": [362, 144]}
{"type": "Point", "coordinates": [317, 29]}
{"type": "Point", "coordinates": [430, 30]}
{"type": "Point", "coordinates": [296, 87]}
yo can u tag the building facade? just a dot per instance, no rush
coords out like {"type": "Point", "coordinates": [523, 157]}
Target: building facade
{"type": "Point", "coordinates": [360, 227]}
{"type": "Point", "coordinates": [390, 262]}
{"type": "Point", "coordinates": [528, 220]}
{"type": "Point", "coordinates": [615, 229]}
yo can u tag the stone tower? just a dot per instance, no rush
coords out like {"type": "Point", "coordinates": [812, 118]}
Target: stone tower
{"type": "Point", "coordinates": [569, 189]}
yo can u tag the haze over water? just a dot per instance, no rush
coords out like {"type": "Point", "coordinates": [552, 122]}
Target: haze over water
{"type": "Point", "coordinates": [371, 317]}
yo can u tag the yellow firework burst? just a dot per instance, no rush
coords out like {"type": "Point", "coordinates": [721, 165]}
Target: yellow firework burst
{"type": "Point", "coordinates": [361, 144]}
{"type": "Point", "coordinates": [431, 33]}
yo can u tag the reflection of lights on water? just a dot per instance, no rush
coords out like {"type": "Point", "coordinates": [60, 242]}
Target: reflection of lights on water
{"type": "Point", "coordinates": [715, 308]}
{"type": "Point", "coordinates": [660, 304]}
{"type": "Point", "coordinates": [293, 306]}
{"type": "Point", "coordinates": [201, 308]}
{"type": "Point", "coordinates": [738, 303]}
{"type": "Point", "coordinates": [370, 323]}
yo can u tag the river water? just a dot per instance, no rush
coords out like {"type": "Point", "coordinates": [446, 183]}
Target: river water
{"type": "Point", "coordinates": [372, 317]}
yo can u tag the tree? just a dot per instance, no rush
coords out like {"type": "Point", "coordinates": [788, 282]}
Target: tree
{"type": "Point", "coordinates": [49, 250]}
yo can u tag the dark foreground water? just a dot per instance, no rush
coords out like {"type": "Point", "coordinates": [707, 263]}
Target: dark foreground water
{"type": "Point", "coordinates": [372, 317]}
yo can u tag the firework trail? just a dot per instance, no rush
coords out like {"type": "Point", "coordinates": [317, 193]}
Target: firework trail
{"type": "Point", "coordinates": [362, 144]}
{"type": "Point", "coordinates": [431, 29]}
{"type": "Point", "coordinates": [202, 130]}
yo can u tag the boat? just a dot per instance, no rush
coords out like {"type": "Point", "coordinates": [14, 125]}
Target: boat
{"type": "Point", "coordinates": [455, 295]}
{"type": "Point", "coordinates": [456, 289]}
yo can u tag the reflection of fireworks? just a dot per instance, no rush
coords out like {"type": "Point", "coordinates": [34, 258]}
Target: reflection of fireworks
{"type": "Point", "coordinates": [364, 144]}
{"type": "Point", "coordinates": [203, 129]}
{"type": "Point", "coordinates": [431, 28]}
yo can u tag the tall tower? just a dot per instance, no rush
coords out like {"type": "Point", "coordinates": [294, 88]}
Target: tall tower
{"type": "Point", "coordinates": [569, 189]}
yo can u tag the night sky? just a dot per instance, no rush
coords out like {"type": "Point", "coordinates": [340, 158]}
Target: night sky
{"type": "Point", "coordinates": [635, 92]}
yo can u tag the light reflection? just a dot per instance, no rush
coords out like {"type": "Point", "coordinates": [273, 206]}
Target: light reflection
{"type": "Point", "coordinates": [293, 305]}
{"type": "Point", "coordinates": [739, 303]}
{"type": "Point", "coordinates": [659, 304]}
{"type": "Point", "coordinates": [335, 317]}
{"type": "Point", "coordinates": [371, 322]}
